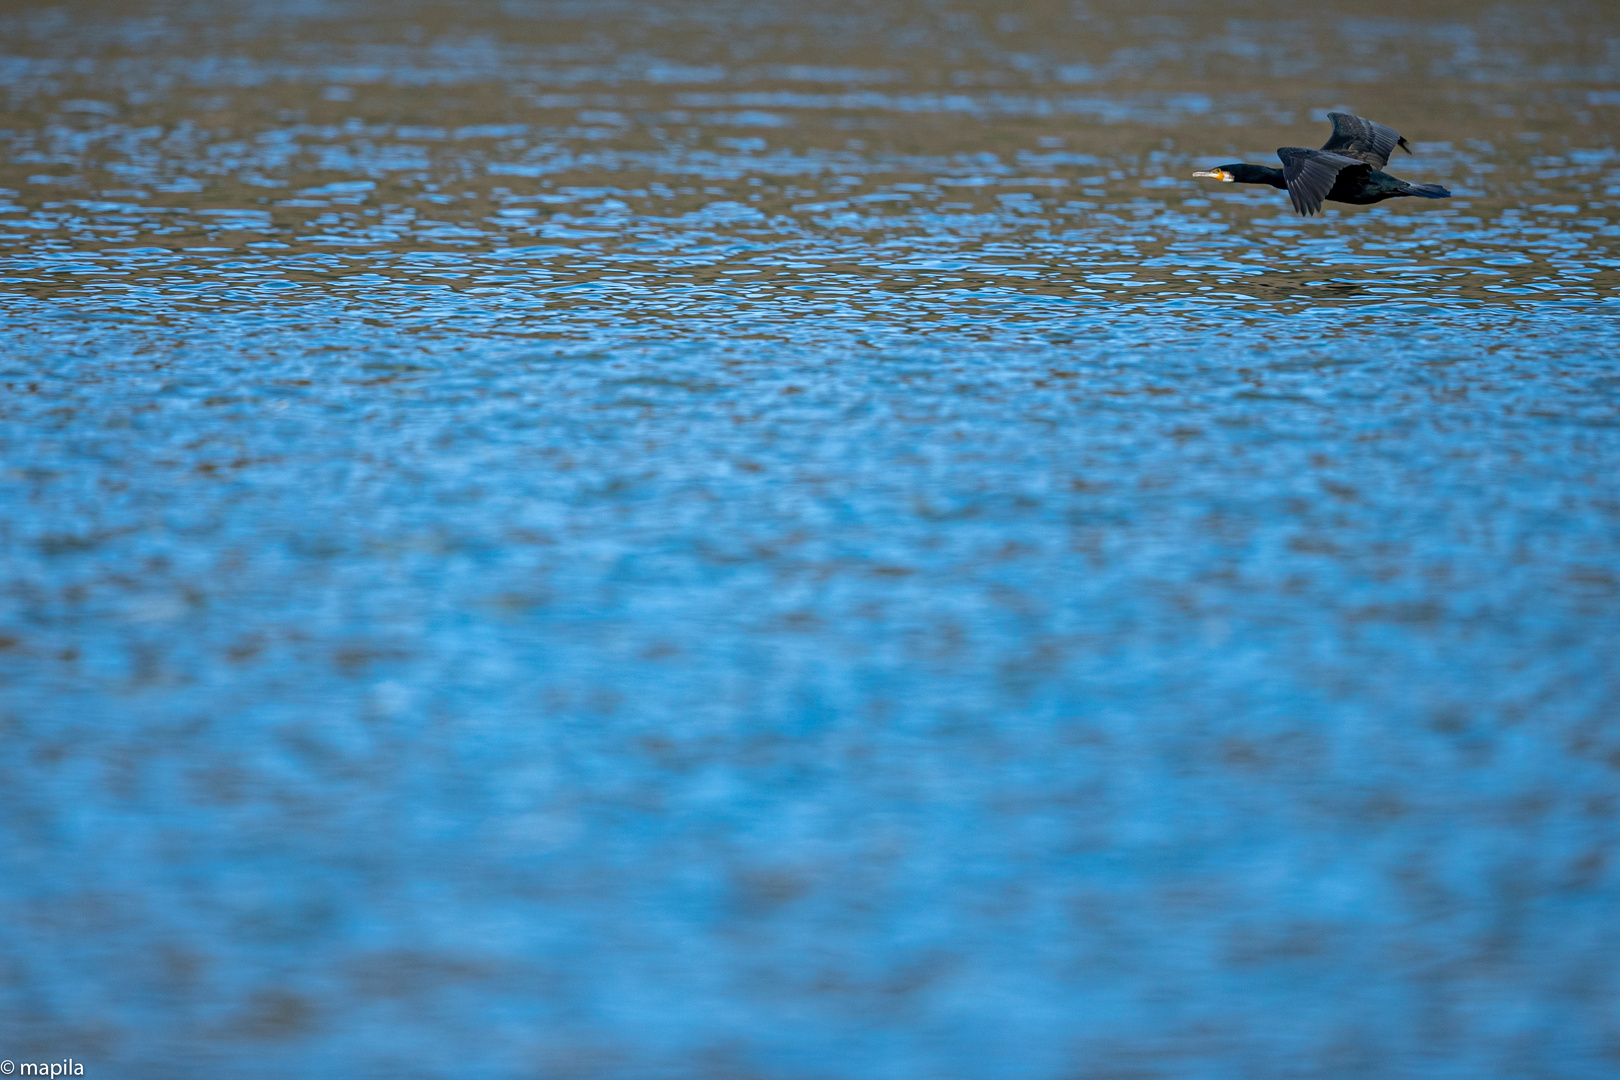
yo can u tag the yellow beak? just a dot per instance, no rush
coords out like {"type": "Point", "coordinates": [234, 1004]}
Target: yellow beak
{"type": "Point", "coordinates": [1218, 174]}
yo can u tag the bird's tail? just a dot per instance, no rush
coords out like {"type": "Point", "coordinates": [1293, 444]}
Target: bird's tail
{"type": "Point", "coordinates": [1427, 191]}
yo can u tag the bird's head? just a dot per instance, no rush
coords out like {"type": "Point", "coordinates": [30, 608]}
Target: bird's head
{"type": "Point", "coordinates": [1240, 173]}
{"type": "Point", "coordinates": [1244, 173]}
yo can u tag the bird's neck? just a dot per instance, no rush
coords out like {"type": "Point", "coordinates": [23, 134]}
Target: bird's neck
{"type": "Point", "coordinates": [1263, 175]}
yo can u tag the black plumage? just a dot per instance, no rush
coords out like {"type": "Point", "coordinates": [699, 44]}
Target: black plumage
{"type": "Point", "coordinates": [1362, 139]}
{"type": "Point", "coordinates": [1349, 169]}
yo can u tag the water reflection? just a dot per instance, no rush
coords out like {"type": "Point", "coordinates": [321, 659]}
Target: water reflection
{"type": "Point", "coordinates": [624, 540]}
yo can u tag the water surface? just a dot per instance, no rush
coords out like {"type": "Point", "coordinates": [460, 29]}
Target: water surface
{"type": "Point", "coordinates": [762, 540]}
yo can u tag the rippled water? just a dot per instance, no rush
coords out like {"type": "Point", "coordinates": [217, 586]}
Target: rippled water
{"type": "Point", "coordinates": [761, 540]}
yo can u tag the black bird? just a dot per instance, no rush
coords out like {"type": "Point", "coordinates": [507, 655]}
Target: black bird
{"type": "Point", "coordinates": [1348, 168]}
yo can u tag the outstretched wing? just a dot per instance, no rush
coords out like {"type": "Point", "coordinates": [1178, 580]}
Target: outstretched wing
{"type": "Point", "coordinates": [1364, 140]}
{"type": "Point", "coordinates": [1310, 175]}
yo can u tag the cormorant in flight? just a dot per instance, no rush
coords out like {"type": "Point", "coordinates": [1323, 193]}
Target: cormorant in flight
{"type": "Point", "coordinates": [1348, 168]}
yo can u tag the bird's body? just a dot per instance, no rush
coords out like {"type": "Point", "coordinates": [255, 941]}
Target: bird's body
{"type": "Point", "coordinates": [1348, 169]}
